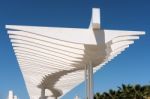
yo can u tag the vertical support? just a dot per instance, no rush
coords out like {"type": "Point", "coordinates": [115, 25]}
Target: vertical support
{"type": "Point", "coordinates": [10, 94]}
{"type": "Point", "coordinates": [43, 93]}
{"type": "Point", "coordinates": [89, 81]}
{"type": "Point", "coordinates": [15, 97]}
{"type": "Point", "coordinates": [76, 97]}
{"type": "Point", "coordinates": [86, 82]}
{"type": "Point", "coordinates": [95, 20]}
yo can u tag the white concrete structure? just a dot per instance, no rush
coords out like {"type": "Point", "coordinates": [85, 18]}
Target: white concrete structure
{"type": "Point", "coordinates": [15, 97]}
{"type": "Point", "coordinates": [53, 59]}
{"type": "Point", "coordinates": [11, 95]}
{"type": "Point", "coordinates": [76, 97]}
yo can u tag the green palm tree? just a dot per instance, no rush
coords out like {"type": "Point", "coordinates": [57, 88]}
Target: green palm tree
{"type": "Point", "coordinates": [126, 92]}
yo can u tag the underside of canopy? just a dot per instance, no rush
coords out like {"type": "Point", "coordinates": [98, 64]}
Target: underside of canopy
{"type": "Point", "coordinates": [53, 59]}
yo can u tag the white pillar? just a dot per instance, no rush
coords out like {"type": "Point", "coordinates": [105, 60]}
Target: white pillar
{"type": "Point", "coordinates": [10, 94]}
{"type": "Point", "coordinates": [90, 81]}
{"type": "Point", "coordinates": [15, 97]}
{"type": "Point", "coordinates": [76, 97]}
{"type": "Point", "coordinates": [86, 82]}
{"type": "Point", "coordinates": [96, 18]}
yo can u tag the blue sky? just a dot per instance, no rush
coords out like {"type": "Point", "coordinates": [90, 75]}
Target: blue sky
{"type": "Point", "coordinates": [131, 67]}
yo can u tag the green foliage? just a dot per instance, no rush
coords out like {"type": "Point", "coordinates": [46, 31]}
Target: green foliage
{"type": "Point", "coordinates": [126, 92]}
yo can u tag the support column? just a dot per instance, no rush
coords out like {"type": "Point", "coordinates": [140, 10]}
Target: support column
{"type": "Point", "coordinates": [15, 97]}
{"type": "Point", "coordinates": [86, 82]}
{"type": "Point", "coordinates": [10, 94]}
{"type": "Point", "coordinates": [42, 94]}
{"type": "Point", "coordinates": [89, 81]}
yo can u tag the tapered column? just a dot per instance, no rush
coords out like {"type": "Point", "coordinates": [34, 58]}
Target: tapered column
{"type": "Point", "coordinates": [96, 18]}
{"type": "Point", "coordinates": [10, 94]}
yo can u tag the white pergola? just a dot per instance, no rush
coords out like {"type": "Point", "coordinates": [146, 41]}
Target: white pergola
{"type": "Point", "coordinates": [54, 60]}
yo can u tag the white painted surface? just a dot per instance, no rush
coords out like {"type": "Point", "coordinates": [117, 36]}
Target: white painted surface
{"type": "Point", "coordinates": [54, 58]}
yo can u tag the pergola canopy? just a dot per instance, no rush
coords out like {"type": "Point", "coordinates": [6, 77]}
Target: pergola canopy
{"type": "Point", "coordinates": [53, 59]}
